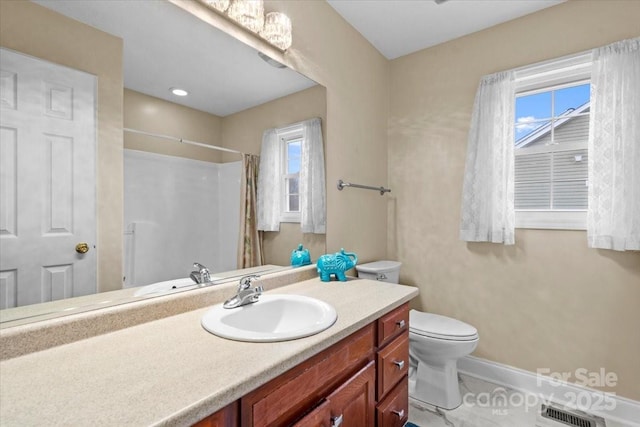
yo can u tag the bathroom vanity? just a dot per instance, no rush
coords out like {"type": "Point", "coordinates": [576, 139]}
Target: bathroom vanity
{"type": "Point", "coordinates": [360, 381]}
{"type": "Point", "coordinates": [172, 372]}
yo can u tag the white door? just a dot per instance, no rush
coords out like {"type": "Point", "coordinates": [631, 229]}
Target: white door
{"type": "Point", "coordinates": [47, 181]}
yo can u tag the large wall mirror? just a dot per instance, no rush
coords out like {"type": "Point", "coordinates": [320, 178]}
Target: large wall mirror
{"type": "Point", "coordinates": [159, 204]}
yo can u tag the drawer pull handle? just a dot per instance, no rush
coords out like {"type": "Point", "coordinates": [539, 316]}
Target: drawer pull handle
{"type": "Point", "coordinates": [399, 364]}
{"type": "Point", "coordinates": [336, 421]}
{"type": "Point", "coordinates": [400, 323]}
{"type": "Point", "coordinates": [399, 413]}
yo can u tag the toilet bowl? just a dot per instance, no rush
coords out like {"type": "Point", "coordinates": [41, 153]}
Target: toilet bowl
{"type": "Point", "coordinates": [435, 344]}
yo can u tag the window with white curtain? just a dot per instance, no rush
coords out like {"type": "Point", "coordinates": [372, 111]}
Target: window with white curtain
{"type": "Point", "coordinates": [291, 178]}
{"type": "Point", "coordinates": [551, 132]}
{"type": "Point", "coordinates": [527, 162]}
{"type": "Point", "coordinates": [290, 140]}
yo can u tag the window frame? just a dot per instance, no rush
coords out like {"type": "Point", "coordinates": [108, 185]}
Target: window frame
{"type": "Point", "coordinates": [285, 136]}
{"type": "Point", "coordinates": [544, 77]}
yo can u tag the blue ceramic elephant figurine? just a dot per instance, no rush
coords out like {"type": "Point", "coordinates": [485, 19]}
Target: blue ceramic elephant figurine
{"type": "Point", "coordinates": [300, 257]}
{"type": "Point", "coordinates": [336, 264]}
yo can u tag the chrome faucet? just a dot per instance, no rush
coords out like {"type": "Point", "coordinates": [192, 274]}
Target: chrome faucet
{"type": "Point", "coordinates": [201, 276]}
{"type": "Point", "coordinates": [246, 294]}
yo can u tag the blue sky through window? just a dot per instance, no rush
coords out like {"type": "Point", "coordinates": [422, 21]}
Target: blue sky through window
{"type": "Point", "coordinates": [294, 154]}
{"type": "Point", "coordinates": [534, 111]}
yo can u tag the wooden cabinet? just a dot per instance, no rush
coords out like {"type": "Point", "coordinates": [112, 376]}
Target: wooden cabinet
{"type": "Point", "coordinates": [392, 359]}
{"type": "Point", "coordinates": [225, 417]}
{"type": "Point", "coordinates": [353, 403]}
{"type": "Point", "coordinates": [393, 324]}
{"type": "Point", "coordinates": [393, 411]}
{"type": "Point", "coordinates": [318, 417]}
{"type": "Point", "coordinates": [360, 381]}
{"type": "Point", "coordinates": [287, 398]}
{"type": "Point", "coordinates": [393, 364]}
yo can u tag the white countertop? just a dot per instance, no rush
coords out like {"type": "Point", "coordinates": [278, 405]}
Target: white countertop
{"type": "Point", "coordinates": [171, 371]}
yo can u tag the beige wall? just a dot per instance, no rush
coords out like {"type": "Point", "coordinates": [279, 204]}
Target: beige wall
{"type": "Point", "coordinates": [37, 31]}
{"type": "Point", "coordinates": [356, 76]}
{"type": "Point", "coordinates": [243, 132]}
{"type": "Point", "coordinates": [155, 115]}
{"type": "Point", "coordinates": [549, 301]}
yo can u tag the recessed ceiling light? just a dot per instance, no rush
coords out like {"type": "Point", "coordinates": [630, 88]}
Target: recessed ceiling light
{"type": "Point", "coordinates": [179, 92]}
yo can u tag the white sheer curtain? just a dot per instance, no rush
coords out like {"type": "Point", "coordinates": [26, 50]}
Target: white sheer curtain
{"type": "Point", "coordinates": [312, 183]}
{"type": "Point", "coordinates": [269, 186]}
{"type": "Point", "coordinates": [312, 180]}
{"type": "Point", "coordinates": [613, 217]}
{"type": "Point", "coordinates": [488, 213]}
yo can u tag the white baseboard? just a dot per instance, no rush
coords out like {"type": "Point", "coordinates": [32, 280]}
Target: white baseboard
{"type": "Point", "coordinates": [608, 406]}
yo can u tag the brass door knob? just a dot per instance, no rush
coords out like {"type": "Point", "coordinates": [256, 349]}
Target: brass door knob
{"type": "Point", "coordinates": [82, 248]}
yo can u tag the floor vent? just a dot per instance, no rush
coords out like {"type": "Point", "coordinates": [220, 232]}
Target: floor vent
{"type": "Point", "coordinates": [569, 417]}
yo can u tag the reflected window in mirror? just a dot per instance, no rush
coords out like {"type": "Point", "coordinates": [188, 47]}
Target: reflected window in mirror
{"type": "Point", "coordinates": [291, 148]}
{"type": "Point", "coordinates": [291, 179]}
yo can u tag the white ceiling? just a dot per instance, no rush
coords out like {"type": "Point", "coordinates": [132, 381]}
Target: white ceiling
{"type": "Point", "coordinates": [399, 27]}
{"type": "Point", "coordinates": [165, 46]}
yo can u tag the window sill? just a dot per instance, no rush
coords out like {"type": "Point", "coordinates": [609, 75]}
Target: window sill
{"type": "Point", "coordinates": [290, 217]}
{"type": "Point", "coordinates": [552, 220]}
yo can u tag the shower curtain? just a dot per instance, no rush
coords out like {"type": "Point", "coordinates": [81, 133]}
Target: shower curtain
{"type": "Point", "coordinates": [250, 250]}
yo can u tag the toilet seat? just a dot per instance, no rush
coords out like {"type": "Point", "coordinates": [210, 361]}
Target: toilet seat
{"type": "Point", "coordinates": [440, 327]}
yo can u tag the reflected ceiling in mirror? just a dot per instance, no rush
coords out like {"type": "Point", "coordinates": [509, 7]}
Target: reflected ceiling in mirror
{"type": "Point", "coordinates": [166, 47]}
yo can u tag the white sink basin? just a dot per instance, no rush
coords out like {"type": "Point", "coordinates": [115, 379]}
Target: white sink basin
{"type": "Point", "coordinates": [166, 286]}
{"type": "Point", "coordinates": [272, 318]}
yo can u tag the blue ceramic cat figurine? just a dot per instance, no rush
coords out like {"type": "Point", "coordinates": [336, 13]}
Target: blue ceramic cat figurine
{"type": "Point", "coordinates": [336, 264]}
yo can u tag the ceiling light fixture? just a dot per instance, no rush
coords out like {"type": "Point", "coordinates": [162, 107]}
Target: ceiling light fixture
{"type": "Point", "coordinates": [179, 92]}
{"type": "Point", "coordinates": [275, 28]}
{"type": "Point", "coordinates": [248, 13]}
{"type": "Point", "coordinates": [219, 5]}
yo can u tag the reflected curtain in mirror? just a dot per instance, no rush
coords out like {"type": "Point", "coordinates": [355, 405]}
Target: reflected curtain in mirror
{"type": "Point", "coordinates": [250, 253]}
{"type": "Point", "coordinates": [312, 181]}
{"type": "Point", "coordinates": [269, 192]}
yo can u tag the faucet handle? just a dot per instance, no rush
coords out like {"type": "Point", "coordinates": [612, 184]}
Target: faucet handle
{"type": "Point", "coordinates": [245, 281]}
{"type": "Point", "coordinates": [199, 266]}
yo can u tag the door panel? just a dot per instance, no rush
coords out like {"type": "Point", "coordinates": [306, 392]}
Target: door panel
{"type": "Point", "coordinates": [47, 187]}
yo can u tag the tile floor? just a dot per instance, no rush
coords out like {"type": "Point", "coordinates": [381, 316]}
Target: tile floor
{"type": "Point", "coordinates": [484, 404]}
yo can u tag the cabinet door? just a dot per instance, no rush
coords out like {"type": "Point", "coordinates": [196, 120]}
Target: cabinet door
{"type": "Point", "coordinates": [353, 403]}
{"type": "Point", "coordinates": [285, 398]}
{"type": "Point", "coordinates": [319, 417]}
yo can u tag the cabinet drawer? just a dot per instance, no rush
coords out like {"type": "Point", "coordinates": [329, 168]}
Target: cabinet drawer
{"type": "Point", "coordinates": [393, 324]}
{"type": "Point", "coordinates": [393, 364]}
{"type": "Point", "coordinates": [393, 411]}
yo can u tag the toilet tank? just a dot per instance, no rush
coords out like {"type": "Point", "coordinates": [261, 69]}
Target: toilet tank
{"type": "Point", "coordinates": [385, 271]}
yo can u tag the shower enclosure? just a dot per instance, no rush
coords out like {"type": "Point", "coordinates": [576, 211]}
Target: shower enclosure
{"type": "Point", "coordinates": [178, 211]}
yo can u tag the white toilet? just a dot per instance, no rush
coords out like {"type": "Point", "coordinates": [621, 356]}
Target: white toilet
{"type": "Point", "coordinates": [435, 345]}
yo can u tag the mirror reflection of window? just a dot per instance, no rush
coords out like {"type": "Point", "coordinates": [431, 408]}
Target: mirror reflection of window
{"type": "Point", "coordinates": [292, 152]}
{"type": "Point", "coordinates": [291, 179]}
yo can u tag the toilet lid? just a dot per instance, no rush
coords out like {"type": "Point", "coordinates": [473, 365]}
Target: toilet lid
{"type": "Point", "coordinates": [442, 327]}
